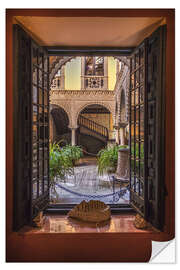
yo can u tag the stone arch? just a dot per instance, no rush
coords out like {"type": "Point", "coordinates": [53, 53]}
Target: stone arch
{"type": "Point", "coordinates": [104, 104]}
{"type": "Point", "coordinates": [64, 107]}
{"type": "Point", "coordinates": [123, 59]}
{"type": "Point", "coordinates": [60, 118]}
{"type": "Point", "coordinates": [57, 64]}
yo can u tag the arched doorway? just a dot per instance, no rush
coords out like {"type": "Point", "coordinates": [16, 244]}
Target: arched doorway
{"type": "Point", "coordinates": [59, 125]}
{"type": "Point", "coordinates": [95, 127]}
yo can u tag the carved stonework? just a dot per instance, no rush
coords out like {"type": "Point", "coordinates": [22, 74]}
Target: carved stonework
{"type": "Point", "coordinates": [139, 222]}
{"type": "Point", "coordinates": [57, 64]}
{"type": "Point", "coordinates": [93, 91]}
{"type": "Point", "coordinates": [94, 82]}
{"type": "Point", "coordinates": [122, 172]}
{"type": "Point", "coordinates": [38, 221]}
{"type": "Point", "coordinates": [74, 101]}
{"type": "Point", "coordinates": [122, 85]}
{"type": "Point", "coordinates": [92, 211]}
{"type": "Point", "coordinates": [66, 106]}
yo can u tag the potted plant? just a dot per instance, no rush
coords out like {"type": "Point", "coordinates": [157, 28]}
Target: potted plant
{"type": "Point", "coordinates": [61, 163]}
{"type": "Point", "coordinates": [73, 152]}
{"type": "Point", "coordinates": [108, 158]}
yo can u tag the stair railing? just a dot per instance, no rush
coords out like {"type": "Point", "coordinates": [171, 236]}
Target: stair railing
{"type": "Point", "coordinates": [93, 126]}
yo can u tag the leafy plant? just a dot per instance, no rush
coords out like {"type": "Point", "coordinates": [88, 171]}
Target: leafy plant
{"type": "Point", "coordinates": [139, 152]}
{"type": "Point", "coordinates": [135, 148]}
{"type": "Point", "coordinates": [61, 161]}
{"type": "Point", "coordinates": [107, 159]}
{"type": "Point", "coordinates": [73, 152]}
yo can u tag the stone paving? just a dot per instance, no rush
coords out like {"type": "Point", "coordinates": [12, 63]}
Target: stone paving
{"type": "Point", "coordinates": [86, 184]}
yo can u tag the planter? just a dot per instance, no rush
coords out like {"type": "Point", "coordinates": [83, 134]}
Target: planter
{"type": "Point", "coordinates": [122, 172]}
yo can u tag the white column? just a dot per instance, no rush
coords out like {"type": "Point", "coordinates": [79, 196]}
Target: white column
{"type": "Point", "coordinates": [117, 136]}
{"type": "Point", "coordinates": [73, 135]}
{"type": "Point", "coordinates": [122, 135]}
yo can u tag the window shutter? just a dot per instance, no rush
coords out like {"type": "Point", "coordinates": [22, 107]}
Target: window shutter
{"type": "Point", "coordinates": [147, 123]}
{"type": "Point", "coordinates": [31, 129]}
{"type": "Point", "coordinates": [138, 183]}
{"type": "Point", "coordinates": [156, 126]}
{"type": "Point", "coordinates": [39, 129]}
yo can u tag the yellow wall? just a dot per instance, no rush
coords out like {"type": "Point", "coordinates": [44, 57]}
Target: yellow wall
{"type": "Point", "coordinates": [73, 74]}
{"type": "Point", "coordinates": [111, 73]}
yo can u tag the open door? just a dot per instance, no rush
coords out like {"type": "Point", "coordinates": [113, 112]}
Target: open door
{"type": "Point", "coordinates": [147, 124]}
{"type": "Point", "coordinates": [31, 128]}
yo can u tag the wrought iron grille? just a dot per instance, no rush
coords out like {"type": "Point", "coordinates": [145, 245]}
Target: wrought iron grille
{"type": "Point", "coordinates": [40, 129]}
{"type": "Point", "coordinates": [137, 129]}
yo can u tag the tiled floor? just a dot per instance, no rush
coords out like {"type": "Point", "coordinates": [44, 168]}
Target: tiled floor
{"type": "Point", "coordinates": [63, 224]}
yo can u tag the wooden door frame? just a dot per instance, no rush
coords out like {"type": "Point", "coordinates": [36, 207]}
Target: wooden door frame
{"type": "Point", "coordinates": [13, 240]}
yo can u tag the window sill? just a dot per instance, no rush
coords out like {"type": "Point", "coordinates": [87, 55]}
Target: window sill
{"type": "Point", "coordinates": [61, 224]}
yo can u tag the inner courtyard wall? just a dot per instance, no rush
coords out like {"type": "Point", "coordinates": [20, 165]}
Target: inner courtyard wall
{"type": "Point", "coordinates": [73, 101]}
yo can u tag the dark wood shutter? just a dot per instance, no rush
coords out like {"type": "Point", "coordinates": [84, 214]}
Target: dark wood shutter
{"type": "Point", "coordinates": [147, 111]}
{"type": "Point", "coordinates": [31, 128]}
{"type": "Point", "coordinates": [156, 126]}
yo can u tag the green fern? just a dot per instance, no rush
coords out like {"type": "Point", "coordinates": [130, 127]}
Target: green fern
{"type": "Point", "coordinates": [61, 161]}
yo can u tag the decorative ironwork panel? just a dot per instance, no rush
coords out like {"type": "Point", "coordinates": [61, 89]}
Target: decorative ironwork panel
{"type": "Point", "coordinates": [40, 129]}
{"type": "Point", "coordinates": [94, 82]}
{"type": "Point", "coordinates": [137, 131]}
{"type": "Point", "coordinates": [155, 125]}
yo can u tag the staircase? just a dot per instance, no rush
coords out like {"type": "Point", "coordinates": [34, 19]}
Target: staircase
{"type": "Point", "coordinates": [95, 129]}
{"type": "Point", "coordinates": [92, 136]}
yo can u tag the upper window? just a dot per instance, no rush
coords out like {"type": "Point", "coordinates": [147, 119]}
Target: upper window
{"type": "Point", "coordinates": [94, 65]}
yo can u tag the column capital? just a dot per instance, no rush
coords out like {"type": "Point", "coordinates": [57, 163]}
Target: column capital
{"type": "Point", "coordinates": [122, 124]}
{"type": "Point", "coordinates": [73, 128]}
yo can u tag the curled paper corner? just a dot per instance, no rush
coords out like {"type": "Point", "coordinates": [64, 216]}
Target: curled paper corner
{"type": "Point", "coordinates": [163, 252]}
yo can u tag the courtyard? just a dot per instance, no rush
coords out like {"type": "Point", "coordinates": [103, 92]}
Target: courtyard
{"type": "Point", "coordinates": [87, 184]}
